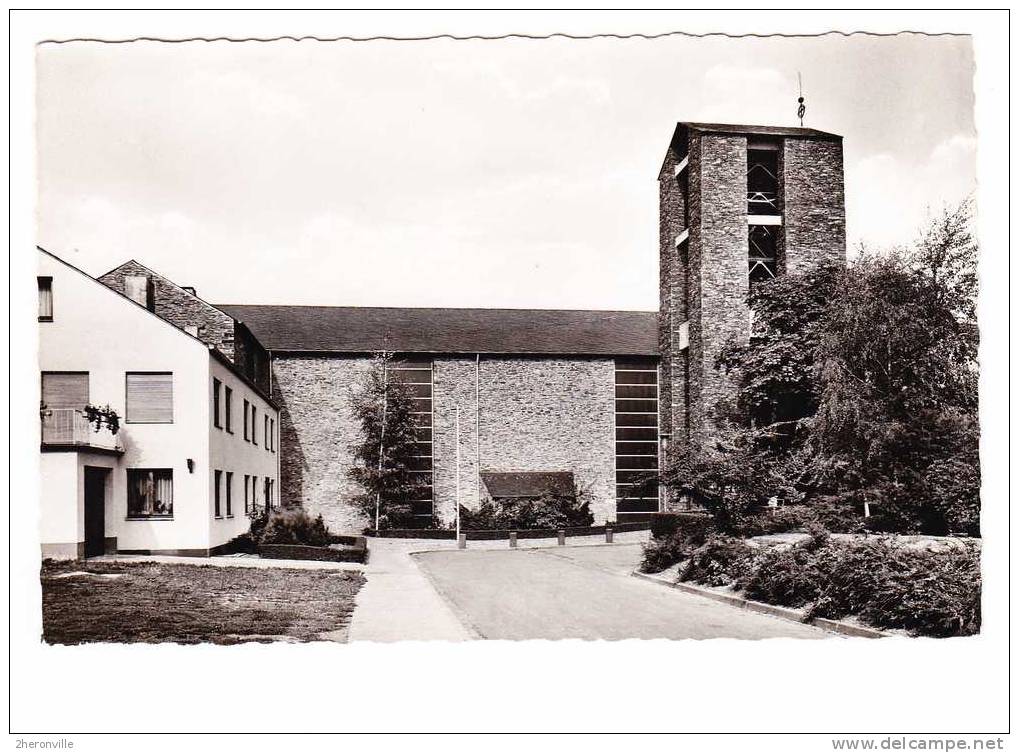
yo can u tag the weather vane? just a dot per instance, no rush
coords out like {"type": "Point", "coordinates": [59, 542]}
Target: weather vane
{"type": "Point", "coordinates": [802, 108]}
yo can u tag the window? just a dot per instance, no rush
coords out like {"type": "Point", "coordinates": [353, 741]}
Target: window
{"type": "Point", "coordinates": [150, 493]}
{"type": "Point", "coordinates": [149, 398]}
{"type": "Point", "coordinates": [265, 432]}
{"type": "Point", "coordinates": [63, 390]}
{"type": "Point", "coordinates": [216, 389]}
{"type": "Point", "coordinates": [762, 242]}
{"type": "Point", "coordinates": [229, 494]}
{"type": "Point", "coordinates": [254, 493]}
{"type": "Point", "coordinates": [415, 376]}
{"type": "Point", "coordinates": [228, 400]}
{"type": "Point", "coordinates": [762, 179]}
{"type": "Point", "coordinates": [217, 482]}
{"type": "Point", "coordinates": [254, 430]}
{"type": "Point", "coordinates": [247, 499]}
{"type": "Point", "coordinates": [272, 433]}
{"type": "Point", "coordinates": [45, 299]}
{"type": "Point", "coordinates": [268, 493]}
{"type": "Point", "coordinates": [636, 439]}
{"type": "Point", "coordinates": [245, 420]}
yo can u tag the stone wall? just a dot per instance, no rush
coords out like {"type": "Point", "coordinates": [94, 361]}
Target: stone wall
{"type": "Point", "coordinates": [718, 268]}
{"type": "Point", "coordinates": [552, 414]}
{"type": "Point", "coordinates": [316, 430]}
{"type": "Point", "coordinates": [179, 307]}
{"type": "Point", "coordinates": [814, 220]}
{"type": "Point", "coordinates": [537, 414]}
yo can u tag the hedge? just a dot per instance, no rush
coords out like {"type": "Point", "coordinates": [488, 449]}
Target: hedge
{"type": "Point", "coordinates": [334, 553]}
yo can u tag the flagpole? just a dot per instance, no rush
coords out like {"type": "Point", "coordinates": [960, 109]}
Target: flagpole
{"type": "Point", "coordinates": [457, 431]}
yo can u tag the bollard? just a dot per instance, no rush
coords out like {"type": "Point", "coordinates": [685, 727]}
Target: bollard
{"type": "Point", "coordinates": [513, 539]}
{"type": "Point", "coordinates": [562, 538]}
{"type": "Point", "coordinates": [608, 535]}
{"type": "Point", "coordinates": [461, 541]}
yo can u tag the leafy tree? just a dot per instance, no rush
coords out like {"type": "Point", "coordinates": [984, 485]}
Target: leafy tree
{"type": "Point", "coordinates": [898, 370]}
{"type": "Point", "coordinates": [386, 443]}
{"type": "Point", "coordinates": [858, 387]}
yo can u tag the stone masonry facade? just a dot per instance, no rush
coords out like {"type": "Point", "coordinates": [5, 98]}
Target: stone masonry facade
{"type": "Point", "coordinates": [316, 430]}
{"type": "Point", "coordinates": [814, 217]}
{"type": "Point", "coordinates": [536, 414]}
{"type": "Point", "coordinates": [718, 262]}
{"type": "Point", "coordinates": [552, 414]}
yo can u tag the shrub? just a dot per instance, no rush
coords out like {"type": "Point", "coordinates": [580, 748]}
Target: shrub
{"type": "Point", "coordinates": [935, 593]}
{"type": "Point", "coordinates": [662, 553]}
{"type": "Point", "coordinates": [720, 561]}
{"type": "Point", "coordinates": [839, 514]}
{"type": "Point", "coordinates": [854, 579]}
{"type": "Point", "coordinates": [550, 511]}
{"type": "Point", "coordinates": [292, 525]}
{"type": "Point", "coordinates": [664, 524]}
{"type": "Point", "coordinates": [775, 520]}
{"type": "Point", "coordinates": [788, 577]}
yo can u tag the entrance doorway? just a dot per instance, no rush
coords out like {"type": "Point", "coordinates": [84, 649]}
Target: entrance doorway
{"type": "Point", "coordinates": [95, 511]}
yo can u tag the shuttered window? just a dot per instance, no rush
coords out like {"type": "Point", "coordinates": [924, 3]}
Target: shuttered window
{"type": "Point", "coordinates": [65, 389]}
{"type": "Point", "coordinates": [149, 398]}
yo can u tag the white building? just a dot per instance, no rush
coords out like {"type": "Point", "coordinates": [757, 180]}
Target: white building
{"type": "Point", "coordinates": [197, 446]}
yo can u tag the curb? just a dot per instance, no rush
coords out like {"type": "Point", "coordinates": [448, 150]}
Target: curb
{"type": "Point", "coordinates": [785, 613]}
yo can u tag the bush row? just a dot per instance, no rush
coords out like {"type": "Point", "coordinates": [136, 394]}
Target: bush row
{"type": "Point", "coordinates": [933, 592]}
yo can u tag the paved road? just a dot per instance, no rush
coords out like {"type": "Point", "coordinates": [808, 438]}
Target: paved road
{"type": "Point", "coordinates": [583, 592]}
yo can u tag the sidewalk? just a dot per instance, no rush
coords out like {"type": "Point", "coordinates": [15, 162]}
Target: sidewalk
{"type": "Point", "coordinates": [398, 602]}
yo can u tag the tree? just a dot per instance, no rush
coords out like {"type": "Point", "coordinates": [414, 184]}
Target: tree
{"type": "Point", "coordinates": [898, 374]}
{"type": "Point", "coordinates": [386, 443]}
{"type": "Point", "coordinates": [857, 390]}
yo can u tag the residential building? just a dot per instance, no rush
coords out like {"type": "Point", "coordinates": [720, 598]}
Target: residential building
{"type": "Point", "coordinates": [151, 487]}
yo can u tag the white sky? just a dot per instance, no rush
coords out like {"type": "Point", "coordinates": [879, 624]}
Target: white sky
{"type": "Point", "coordinates": [513, 173]}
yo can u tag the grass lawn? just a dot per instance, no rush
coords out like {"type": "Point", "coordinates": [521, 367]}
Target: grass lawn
{"type": "Point", "coordinates": [148, 602]}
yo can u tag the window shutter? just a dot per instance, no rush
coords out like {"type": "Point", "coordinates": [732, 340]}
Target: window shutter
{"type": "Point", "coordinates": [150, 398]}
{"type": "Point", "coordinates": [65, 390]}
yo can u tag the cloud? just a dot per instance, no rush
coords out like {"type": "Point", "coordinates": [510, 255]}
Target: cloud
{"type": "Point", "coordinates": [888, 199]}
{"type": "Point", "coordinates": [740, 94]}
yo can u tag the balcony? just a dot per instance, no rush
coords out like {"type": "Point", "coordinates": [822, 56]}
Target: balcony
{"type": "Point", "coordinates": [67, 429]}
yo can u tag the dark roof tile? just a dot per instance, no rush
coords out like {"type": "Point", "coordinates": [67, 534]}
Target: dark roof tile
{"type": "Point", "coordinates": [350, 329]}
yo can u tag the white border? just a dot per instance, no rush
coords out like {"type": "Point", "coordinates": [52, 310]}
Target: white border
{"type": "Point", "coordinates": [829, 686]}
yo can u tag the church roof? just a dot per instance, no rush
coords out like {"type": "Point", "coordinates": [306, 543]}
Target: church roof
{"type": "Point", "coordinates": [353, 329]}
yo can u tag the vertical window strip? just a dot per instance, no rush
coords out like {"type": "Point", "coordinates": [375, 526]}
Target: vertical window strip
{"type": "Point", "coordinates": [636, 420]}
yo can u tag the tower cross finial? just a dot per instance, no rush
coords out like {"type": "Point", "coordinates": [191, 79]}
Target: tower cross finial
{"type": "Point", "coordinates": [802, 107]}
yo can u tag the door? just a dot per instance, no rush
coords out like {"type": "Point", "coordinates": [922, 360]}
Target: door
{"type": "Point", "coordinates": [95, 511]}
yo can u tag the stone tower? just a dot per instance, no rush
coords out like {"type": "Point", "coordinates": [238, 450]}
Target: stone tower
{"type": "Point", "coordinates": [738, 204]}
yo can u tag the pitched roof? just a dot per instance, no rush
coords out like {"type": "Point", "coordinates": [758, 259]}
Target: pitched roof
{"type": "Point", "coordinates": [512, 484]}
{"type": "Point", "coordinates": [351, 329]}
{"type": "Point", "coordinates": [230, 365]}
